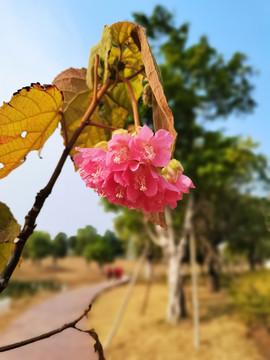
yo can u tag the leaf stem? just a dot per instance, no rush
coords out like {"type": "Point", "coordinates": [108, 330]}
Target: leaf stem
{"type": "Point", "coordinates": [103, 126]}
{"type": "Point", "coordinates": [30, 219]}
{"type": "Point", "coordinates": [133, 101]}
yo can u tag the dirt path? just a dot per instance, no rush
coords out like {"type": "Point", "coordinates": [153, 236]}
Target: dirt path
{"type": "Point", "coordinates": [51, 314]}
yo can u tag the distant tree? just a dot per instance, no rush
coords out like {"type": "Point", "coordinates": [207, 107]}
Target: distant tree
{"type": "Point", "coordinates": [39, 245]}
{"type": "Point", "coordinates": [59, 246]}
{"type": "Point", "coordinates": [252, 241]}
{"type": "Point", "coordinates": [200, 84]}
{"type": "Point", "coordinates": [114, 242]}
{"type": "Point", "coordinates": [85, 236]}
{"type": "Point", "coordinates": [72, 241]}
{"type": "Point", "coordinates": [100, 251]}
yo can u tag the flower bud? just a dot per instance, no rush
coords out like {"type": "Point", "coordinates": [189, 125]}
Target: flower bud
{"type": "Point", "coordinates": [172, 170]}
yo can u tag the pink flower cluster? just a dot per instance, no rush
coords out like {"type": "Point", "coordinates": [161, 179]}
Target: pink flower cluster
{"type": "Point", "coordinates": [135, 171]}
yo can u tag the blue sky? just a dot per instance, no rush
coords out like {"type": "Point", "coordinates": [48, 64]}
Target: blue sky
{"type": "Point", "coordinates": [39, 39]}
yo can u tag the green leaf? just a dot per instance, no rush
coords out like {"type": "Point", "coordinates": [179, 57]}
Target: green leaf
{"type": "Point", "coordinates": [9, 229]}
{"type": "Point", "coordinates": [102, 49]}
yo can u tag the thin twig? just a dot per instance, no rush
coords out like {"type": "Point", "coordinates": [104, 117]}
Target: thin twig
{"type": "Point", "coordinates": [96, 78]}
{"type": "Point", "coordinates": [133, 101]}
{"type": "Point", "coordinates": [30, 218]}
{"type": "Point", "coordinates": [71, 324]}
{"type": "Point", "coordinates": [140, 71]}
{"type": "Point", "coordinates": [120, 54]}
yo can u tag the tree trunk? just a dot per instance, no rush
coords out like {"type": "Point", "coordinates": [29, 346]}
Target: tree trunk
{"type": "Point", "coordinates": [176, 308]}
{"type": "Point", "coordinates": [251, 260]}
{"type": "Point", "coordinates": [213, 276]}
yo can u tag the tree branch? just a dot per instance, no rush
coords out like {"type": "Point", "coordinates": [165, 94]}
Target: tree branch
{"type": "Point", "coordinates": [187, 227]}
{"type": "Point", "coordinates": [72, 324]}
{"type": "Point", "coordinates": [170, 235]}
{"type": "Point", "coordinates": [30, 218]}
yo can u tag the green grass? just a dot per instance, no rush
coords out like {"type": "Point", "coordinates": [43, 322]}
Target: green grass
{"type": "Point", "coordinates": [251, 296]}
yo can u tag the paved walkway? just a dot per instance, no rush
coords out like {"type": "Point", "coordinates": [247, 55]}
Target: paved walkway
{"type": "Point", "coordinates": [49, 315]}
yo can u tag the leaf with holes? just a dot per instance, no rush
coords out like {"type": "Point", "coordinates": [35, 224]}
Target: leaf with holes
{"type": "Point", "coordinates": [9, 229]}
{"type": "Point", "coordinates": [26, 122]}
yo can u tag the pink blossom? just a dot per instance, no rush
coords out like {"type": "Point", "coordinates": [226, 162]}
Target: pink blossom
{"type": "Point", "coordinates": [120, 152]}
{"type": "Point", "coordinates": [135, 171]}
{"type": "Point", "coordinates": [92, 164]}
{"type": "Point", "coordinates": [153, 148]}
{"type": "Point", "coordinates": [114, 191]}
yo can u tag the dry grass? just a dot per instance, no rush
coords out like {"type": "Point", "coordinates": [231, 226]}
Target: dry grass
{"type": "Point", "coordinates": [148, 336]}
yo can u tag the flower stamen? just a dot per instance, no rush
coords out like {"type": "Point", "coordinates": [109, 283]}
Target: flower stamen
{"type": "Point", "coordinates": [149, 152]}
{"type": "Point", "coordinates": [122, 155]}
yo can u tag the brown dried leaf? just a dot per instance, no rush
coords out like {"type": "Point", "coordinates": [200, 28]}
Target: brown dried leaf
{"type": "Point", "coordinates": [162, 115]}
{"type": "Point", "coordinates": [158, 218]}
{"type": "Point", "coordinates": [71, 82]}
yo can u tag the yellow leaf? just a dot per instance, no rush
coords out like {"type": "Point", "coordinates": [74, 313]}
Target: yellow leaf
{"type": "Point", "coordinates": [131, 62]}
{"type": "Point", "coordinates": [91, 135]}
{"type": "Point", "coordinates": [9, 230]}
{"type": "Point", "coordinates": [113, 114]}
{"type": "Point", "coordinates": [121, 34]}
{"type": "Point", "coordinates": [26, 122]}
